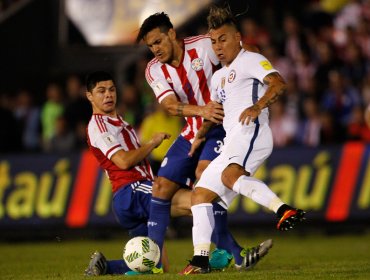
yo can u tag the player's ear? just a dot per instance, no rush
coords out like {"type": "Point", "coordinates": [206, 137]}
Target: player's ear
{"type": "Point", "coordinates": [172, 34]}
{"type": "Point", "coordinates": [238, 36]}
{"type": "Point", "coordinates": [89, 95]}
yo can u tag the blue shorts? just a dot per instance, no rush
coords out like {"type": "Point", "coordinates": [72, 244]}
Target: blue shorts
{"type": "Point", "coordinates": [178, 167]}
{"type": "Point", "coordinates": [131, 206]}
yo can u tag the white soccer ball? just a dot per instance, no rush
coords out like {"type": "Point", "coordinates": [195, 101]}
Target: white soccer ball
{"type": "Point", "coordinates": [141, 254]}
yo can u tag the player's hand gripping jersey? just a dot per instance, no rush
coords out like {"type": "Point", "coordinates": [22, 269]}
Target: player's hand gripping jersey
{"type": "Point", "coordinates": [107, 135]}
{"type": "Point", "coordinates": [190, 81]}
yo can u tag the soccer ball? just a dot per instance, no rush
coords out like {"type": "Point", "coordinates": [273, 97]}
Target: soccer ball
{"type": "Point", "coordinates": [141, 254]}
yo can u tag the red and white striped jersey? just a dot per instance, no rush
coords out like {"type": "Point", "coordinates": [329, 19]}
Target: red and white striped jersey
{"type": "Point", "coordinates": [190, 81]}
{"type": "Point", "coordinates": [106, 136]}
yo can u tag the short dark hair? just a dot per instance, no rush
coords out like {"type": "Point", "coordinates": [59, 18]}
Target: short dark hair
{"type": "Point", "coordinates": [95, 77]}
{"type": "Point", "coordinates": [219, 16]}
{"type": "Point", "coordinates": [157, 20]}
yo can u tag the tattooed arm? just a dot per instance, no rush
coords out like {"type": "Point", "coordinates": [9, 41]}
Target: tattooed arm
{"type": "Point", "coordinates": [276, 87]}
{"type": "Point", "coordinates": [211, 111]}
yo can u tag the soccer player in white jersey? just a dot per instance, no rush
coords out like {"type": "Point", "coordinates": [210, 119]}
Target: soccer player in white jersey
{"type": "Point", "coordinates": [180, 76]}
{"type": "Point", "coordinates": [245, 86]}
{"type": "Point", "coordinates": [116, 146]}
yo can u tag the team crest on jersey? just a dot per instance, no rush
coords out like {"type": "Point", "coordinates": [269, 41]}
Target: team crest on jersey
{"type": "Point", "coordinates": [197, 64]}
{"type": "Point", "coordinates": [232, 76]}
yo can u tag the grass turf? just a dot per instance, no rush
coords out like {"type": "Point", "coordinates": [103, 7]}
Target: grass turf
{"type": "Point", "coordinates": [292, 257]}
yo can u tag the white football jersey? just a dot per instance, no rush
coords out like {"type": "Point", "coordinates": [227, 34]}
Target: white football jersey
{"type": "Point", "coordinates": [190, 81]}
{"type": "Point", "coordinates": [240, 85]}
{"type": "Point", "coordinates": [106, 136]}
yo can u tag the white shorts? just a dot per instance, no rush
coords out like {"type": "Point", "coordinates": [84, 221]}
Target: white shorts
{"type": "Point", "coordinates": [248, 146]}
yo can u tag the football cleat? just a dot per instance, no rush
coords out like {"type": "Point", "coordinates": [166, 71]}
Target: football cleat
{"type": "Point", "coordinates": [192, 269]}
{"type": "Point", "coordinates": [220, 259]}
{"type": "Point", "coordinates": [290, 218]}
{"type": "Point", "coordinates": [154, 270]}
{"type": "Point", "coordinates": [97, 265]}
{"type": "Point", "coordinates": [252, 256]}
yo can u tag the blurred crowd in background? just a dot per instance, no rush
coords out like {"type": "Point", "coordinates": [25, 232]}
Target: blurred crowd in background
{"type": "Point", "coordinates": [323, 54]}
{"type": "Point", "coordinates": [6, 4]}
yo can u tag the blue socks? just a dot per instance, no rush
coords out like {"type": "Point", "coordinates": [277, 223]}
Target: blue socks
{"type": "Point", "coordinates": [117, 267]}
{"type": "Point", "coordinates": [221, 235]}
{"type": "Point", "coordinates": [159, 219]}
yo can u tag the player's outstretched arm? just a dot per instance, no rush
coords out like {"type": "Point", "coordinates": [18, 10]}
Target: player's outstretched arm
{"type": "Point", "coordinates": [213, 111]}
{"type": "Point", "coordinates": [276, 87]}
{"type": "Point", "coordinates": [127, 159]}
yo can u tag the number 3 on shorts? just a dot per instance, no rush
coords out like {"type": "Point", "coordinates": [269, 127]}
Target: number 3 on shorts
{"type": "Point", "coordinates": [219, 143]}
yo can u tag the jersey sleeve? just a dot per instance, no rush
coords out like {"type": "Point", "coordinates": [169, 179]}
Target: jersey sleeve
{"type": "Point", "coordinates": [103, 140]}
{"type": "Point", "coordinates": [157, 81]}
{"type": "Point", "coordinates": [257, 66]}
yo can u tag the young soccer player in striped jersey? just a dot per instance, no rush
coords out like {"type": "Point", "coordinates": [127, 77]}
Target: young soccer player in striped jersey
{"type": "Point", "coordinates": [116, 146]}
{"type": "Point", "coordinates": [246, 85]}
{"type": "Point", "coordinates": [180, 76]}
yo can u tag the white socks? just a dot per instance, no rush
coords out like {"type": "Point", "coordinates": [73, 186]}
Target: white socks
{"type": "Point", "coordinates": [258, 192]}
{"type": "Point", "coordinates": [203, 225]}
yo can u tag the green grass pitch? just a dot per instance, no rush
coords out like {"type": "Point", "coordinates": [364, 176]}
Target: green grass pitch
{"type": "Point", "coordinates": [292, 257]}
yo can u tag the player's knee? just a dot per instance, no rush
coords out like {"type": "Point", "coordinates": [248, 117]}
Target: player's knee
{"type": "Point", "coordinates": [197, 198]}
{"type": "Point", "coordinates": [231, 173]}
{"type": "Point", "coordinates": [202, 195]}
{"type": "Point", "coordinates": [164, 188]}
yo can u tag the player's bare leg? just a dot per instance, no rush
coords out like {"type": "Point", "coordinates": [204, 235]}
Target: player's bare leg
{"type": "Point", "coordinates": [181, 203]}
{"type": "Point", "coordinates": [164, 188]}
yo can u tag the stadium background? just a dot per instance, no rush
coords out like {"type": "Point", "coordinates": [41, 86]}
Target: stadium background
{"type": "Point", "coordinates": [50, 184]}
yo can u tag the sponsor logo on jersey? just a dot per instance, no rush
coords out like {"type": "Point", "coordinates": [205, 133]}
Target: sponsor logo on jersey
{"type": "Point", "coordinates": [197, 64]}
{"type": "Point", "coordinates": [232, 157]}
{"type": "Point", "coordinates": [232, 76]}
{"type": "Point", "coordinates": [223, 80]}
{"type": "Point", "coordinates": [266, 65]}
{"type": "Point", "coordinates": [221, 95]}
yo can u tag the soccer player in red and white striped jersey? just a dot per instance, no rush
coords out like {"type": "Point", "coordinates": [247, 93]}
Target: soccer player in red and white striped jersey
{"type": "Point", "coordinates": [107, 135]}
{"type": "Point", "coordinates": [180, 75]}
{"type": "Point", "coordinates": [187, 81]}
{"type": "Point", "coordinates": [118, 150]}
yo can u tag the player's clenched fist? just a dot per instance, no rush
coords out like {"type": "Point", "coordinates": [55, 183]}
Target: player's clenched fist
{"type": "Point", "coordinates": [158, 138]}
{"type": "Point", "coordinates": [213, 111]}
